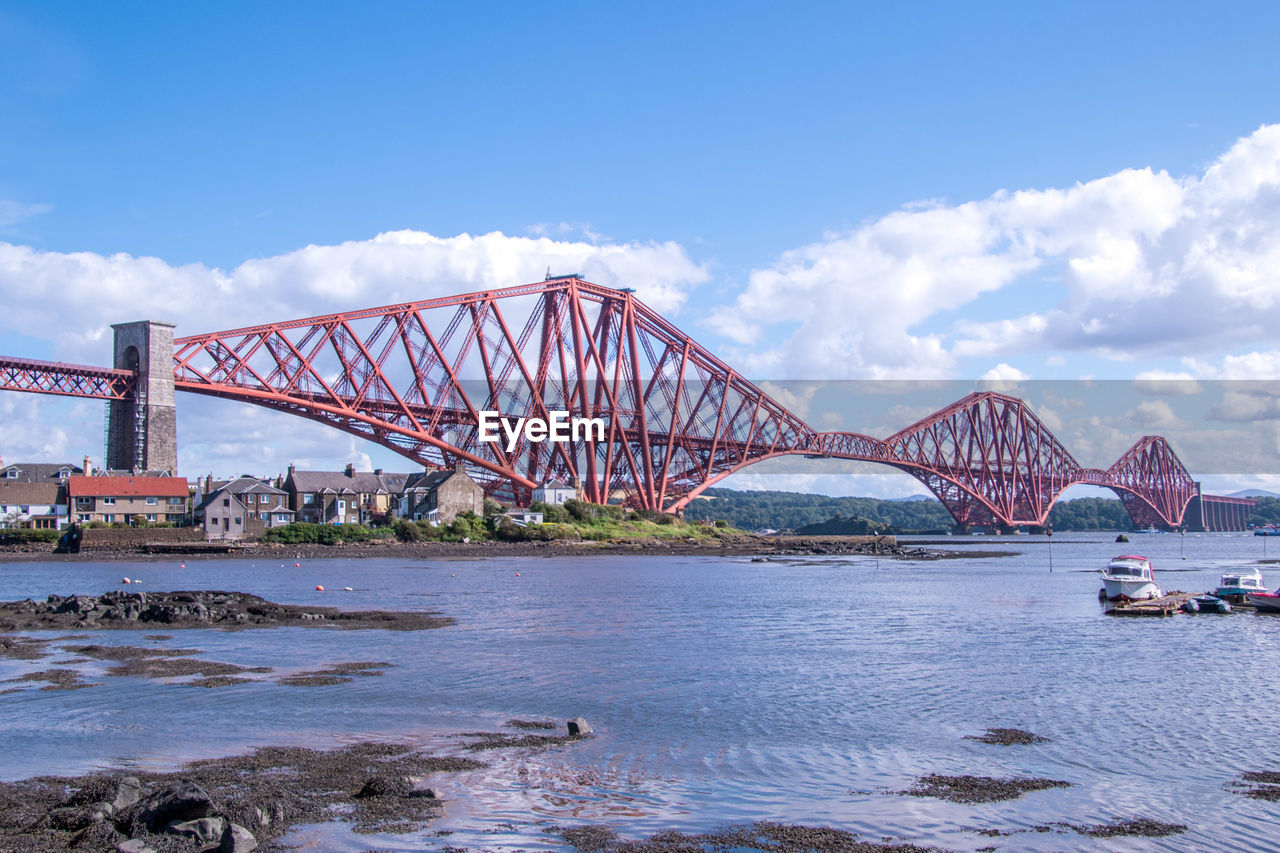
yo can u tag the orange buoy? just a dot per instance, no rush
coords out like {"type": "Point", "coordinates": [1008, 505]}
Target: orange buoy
{"type": "Point", "coordinates": [319, 588]}
{"type": "Point", "coordinates": [182, 565]}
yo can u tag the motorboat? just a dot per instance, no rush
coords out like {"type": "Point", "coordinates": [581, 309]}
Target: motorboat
{"type": "Point", "coordinates": [1235, 585]}
{"type": "Point", "coordinates": [1265, 602]}
{"type": "Point", "coordinates": [1129, 578]}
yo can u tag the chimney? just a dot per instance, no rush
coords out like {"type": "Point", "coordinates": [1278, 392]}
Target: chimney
{"type": "Point", "coordinates": [351, 470]}
{"type": "Point", "coordinates": [290, 470]}
{"type": "Point", "coordinates": [377, 472]}
{"type": "Point", "coordinates": [88, 467]}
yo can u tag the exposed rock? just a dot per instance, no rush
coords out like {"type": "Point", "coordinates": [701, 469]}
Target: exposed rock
{"type": "Point", "coordinates": [206, 830]}
{"type": "Point", "coordinates": [579, 727]}
{"type": "Point", "coordinates": [194, 609]}
{"type": "Point", "coordinates": [183, 800]}
{"type": "Point", "coordinates": [1008, 737]}
{"type": "Point", "coordinates": [237, 839]}
{"type": "Point", "coordinates": [386, 786]}
{"type": "Point", "coordinates": [978, 789]}
{"type": "Point", "coordinates": [134, 845]}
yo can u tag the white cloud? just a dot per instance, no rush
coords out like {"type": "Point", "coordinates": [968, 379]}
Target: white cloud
{"type": "Point", "coordinates": [1166, 383]}
{"type": "Point", "coordinates": [76, 296]}
{"type": "Point", "coordinates": [13, 212]}
{"type": "Point", "coordinates": [71, 299]}
{"type": "Point", "coordinates": [1140, 262]}
{"type": "Point", "coordinates": [1004, 374]}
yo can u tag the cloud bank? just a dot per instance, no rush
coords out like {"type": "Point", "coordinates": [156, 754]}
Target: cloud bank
{"type": "Point", "coordinates": [1135, 264]}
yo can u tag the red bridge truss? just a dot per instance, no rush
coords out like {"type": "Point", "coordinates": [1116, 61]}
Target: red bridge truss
{"type": "Point", "coordinates": [675, 419]}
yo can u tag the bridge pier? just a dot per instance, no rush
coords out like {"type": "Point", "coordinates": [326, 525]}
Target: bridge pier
{"type": "Point", "coordinates": [142, 433]}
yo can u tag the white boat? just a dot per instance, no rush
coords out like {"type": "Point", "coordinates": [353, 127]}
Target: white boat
{"type": "Point", "coordinates": [1239, 583]}
{"type": "Point", "coordinates": [1129, 578]}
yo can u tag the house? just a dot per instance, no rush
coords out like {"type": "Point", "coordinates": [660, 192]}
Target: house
{"type": "Point", "coordinates": [243, 507]}
{"type": "Point", "coordinates": [42, 506]}
{"type": "Point", "coordinates": [119, 498]}
{"type": "Point", "coordinates": [341, 497]}
{"type": "Point", "coordinates": [440, 496]}
{"type": "Point", "coordinates": [555, 492]}
{"type": "Point", "coordinates": [523, 516]}
{"type": "Point", "coordinates": [39, 472]}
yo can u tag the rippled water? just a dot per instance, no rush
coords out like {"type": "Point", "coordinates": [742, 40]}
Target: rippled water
{"type": "Point", "coordinates": [723, 691]}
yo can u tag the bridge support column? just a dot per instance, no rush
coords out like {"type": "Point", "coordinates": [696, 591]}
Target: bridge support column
{"type": "Point", "coordinates": [142, 433]}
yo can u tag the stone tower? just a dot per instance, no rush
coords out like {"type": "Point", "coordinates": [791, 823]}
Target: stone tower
{"type": "Point", "coordinates": [142, 433]}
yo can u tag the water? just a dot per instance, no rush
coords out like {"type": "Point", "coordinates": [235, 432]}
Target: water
{"type": "Point", "coordinates": [803, 690]}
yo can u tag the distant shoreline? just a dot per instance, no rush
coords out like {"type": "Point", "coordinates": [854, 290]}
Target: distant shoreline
{"type": "Point", "coordinates": [729, 546]}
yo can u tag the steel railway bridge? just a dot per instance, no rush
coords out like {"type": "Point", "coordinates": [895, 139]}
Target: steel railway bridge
{"type": "Point", "coordinates": [414, 377]}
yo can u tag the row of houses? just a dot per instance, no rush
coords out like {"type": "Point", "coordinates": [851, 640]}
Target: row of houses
{"type": "Point", "coordinates": [50, 496]}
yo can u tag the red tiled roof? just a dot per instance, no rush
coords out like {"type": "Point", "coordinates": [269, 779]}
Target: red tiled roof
{"type": "Point", "coordinates": [127, 487]}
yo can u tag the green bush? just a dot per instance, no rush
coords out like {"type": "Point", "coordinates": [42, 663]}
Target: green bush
{"type": "Point", "coordinates": [406, 531]}
{"type": "Point", "coordinates": [665, 518]}
{"type": "Point", "coordinates": [24, 536]}
{"type": "Point", "coordinates": [306, 533]}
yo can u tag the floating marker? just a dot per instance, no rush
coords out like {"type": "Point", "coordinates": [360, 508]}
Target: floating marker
{"type": "Point", "coordinates": [348, 589]}
{"type": "Point", "coordinates": [182, 565]}
{"type": "Point", "coordinates": [296, 565]}
{"type": "Point", "coordinates": [124, 580]}
{"type": "Point", "coordinates": [319, 588]}
{"type": "Point", "coordinates": [517, 574]}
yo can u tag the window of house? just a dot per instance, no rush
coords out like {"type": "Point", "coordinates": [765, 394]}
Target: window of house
{"type": "Point", "coordinates": [226, 501]}
{"type": "Point", "coordinates": [151, 516]}
{"type": "Point", "coordinates": [25, 510]}
{"type": "Point", "coordinates": [84, 516]}
{"type": "Point", "coordinates": [175, 500]}
{"type": "Point", "coordinates": [12, 473]}
{"type": "Point", "coordinates": [152, 501]}
{"type": "Point", "coordinates": [237, 519]}
{"type": "Point", "coordinates": [109, 518]}
{"type": "Point", "coordinates": [282, 518]}
{"type": "Point", "coordinates": [108, 501]}
{"type": "Point", "coordinates": [309, 499]}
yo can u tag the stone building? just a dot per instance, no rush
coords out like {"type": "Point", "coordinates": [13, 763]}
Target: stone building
{"type": "Point", "coordinates": [241, 508]}
{"type": "Point", "coordinates": [440, 496]}
{"type": "Point", "coordinates": [342, 497]}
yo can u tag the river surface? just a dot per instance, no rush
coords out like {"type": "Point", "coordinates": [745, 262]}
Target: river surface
{"type": "Point", "coordinates": [722, 690]}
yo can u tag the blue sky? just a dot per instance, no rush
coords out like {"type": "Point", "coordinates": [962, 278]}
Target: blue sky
{"type": "Point", "coordinates": [967, 189]}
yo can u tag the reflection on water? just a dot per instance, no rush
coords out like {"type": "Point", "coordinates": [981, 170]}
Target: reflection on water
{"type": "Point", "coordinates": [721, 691]}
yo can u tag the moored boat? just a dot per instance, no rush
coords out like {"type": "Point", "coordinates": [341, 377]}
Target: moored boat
{"type": "Point", "coordinates": [1265, 602]}
{"type": "Point", "coordinates": [1129, 578]}
{"type": "Point", "coordinates": [1235, 586]}
{"type": "Point", "coordinates": [1206, 604]}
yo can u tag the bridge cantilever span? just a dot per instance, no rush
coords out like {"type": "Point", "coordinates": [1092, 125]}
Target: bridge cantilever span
{"type": "Point", "coordinates": [415, 376]}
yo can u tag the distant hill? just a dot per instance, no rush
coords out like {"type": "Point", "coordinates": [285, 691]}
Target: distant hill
{"type": "Point", "coordinates": [1253, 493]}
{"type": "Point", "coordinates": [767, 510]}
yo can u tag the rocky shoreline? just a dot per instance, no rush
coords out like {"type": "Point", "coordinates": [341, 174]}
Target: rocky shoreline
{"type": "Point", "coordinates": [196, 609]}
